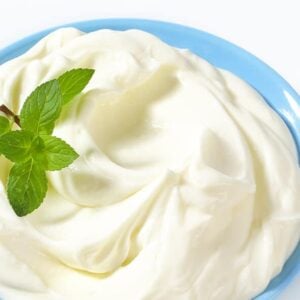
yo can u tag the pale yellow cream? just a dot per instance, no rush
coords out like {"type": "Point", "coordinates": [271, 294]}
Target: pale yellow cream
{"type": "Point", "coordinates": [187, 186]}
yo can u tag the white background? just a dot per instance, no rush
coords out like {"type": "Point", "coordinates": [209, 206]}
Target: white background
{"type": "Point", "coordinates": [270, 29]}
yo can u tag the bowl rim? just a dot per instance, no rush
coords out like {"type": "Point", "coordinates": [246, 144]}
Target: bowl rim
{"type": "Point", "coordinates": [285, 90]}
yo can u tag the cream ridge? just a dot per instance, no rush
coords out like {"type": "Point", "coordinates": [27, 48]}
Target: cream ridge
{"type": "Point", "coordinates": [187, 185]}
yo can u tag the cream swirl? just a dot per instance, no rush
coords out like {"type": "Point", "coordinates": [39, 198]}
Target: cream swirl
{"type": "Point", "coordinates": [187, 184]}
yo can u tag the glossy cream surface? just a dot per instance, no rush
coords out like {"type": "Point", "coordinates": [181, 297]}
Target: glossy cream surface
{"type": "Point", "coordinates": [187, 186]}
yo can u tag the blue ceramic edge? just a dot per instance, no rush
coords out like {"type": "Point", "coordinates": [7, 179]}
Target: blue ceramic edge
{"type": "Point", "coordinates": [243, 64]}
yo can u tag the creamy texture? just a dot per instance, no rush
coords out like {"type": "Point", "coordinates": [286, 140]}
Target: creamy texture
{"type": "Point", "coordinates": [187, 186]}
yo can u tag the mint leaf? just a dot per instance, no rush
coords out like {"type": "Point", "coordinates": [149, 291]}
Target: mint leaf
{"type": "Point", "coordinates": [16, 145]}
{"type": "Point", "coordinates": [27, 187]}
{"type": "Point", "coordinates": [58, 153]}
{"type": "Point", "coordinates": [73, 82]}
{"type": "Point", "coordinates": [33, 149]}
{"type": "Point", "coordinates": [4, 125]}
{"type": "Point", "coordinates": [42, 108]}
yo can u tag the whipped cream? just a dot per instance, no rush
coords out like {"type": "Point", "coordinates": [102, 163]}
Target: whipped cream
{"type": "Point", "coordinates": [187, 186]}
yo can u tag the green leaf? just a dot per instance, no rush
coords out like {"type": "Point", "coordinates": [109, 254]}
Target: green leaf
{"type": "Point", "coordinates": [73, 82]}
{"type": "Point", "coordinates": [33, 149]}
{"type": "Point", "coordinates": [58, 153]}
{"type": "Point", "coordinates": [16, 145]}
{"type": "Point", "coordinates": [27, 187]}
{"type": "Point", "coordinates": [42, 108]}
{"type": "Point", "coordinates": [4, 125]}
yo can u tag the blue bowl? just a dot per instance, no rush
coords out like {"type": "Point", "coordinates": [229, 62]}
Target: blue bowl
{"type": "Point", "coordinates": [275, 90]}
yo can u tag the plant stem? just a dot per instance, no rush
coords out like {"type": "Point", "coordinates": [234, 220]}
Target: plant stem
{"type": "Point", "coordinates": [9, 113]}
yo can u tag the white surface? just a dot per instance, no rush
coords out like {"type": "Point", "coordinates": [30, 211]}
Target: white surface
{"type": "Point", "coordinates": [267, 28]}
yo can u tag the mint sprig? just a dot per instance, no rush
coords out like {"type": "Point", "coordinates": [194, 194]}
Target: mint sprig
{"type": "Point", "coordinates": [33, 149]}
